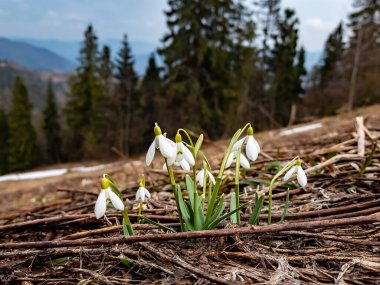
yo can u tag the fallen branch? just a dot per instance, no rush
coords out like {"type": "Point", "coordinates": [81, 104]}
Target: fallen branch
{"type": "Point", "coordinates": [199, 234]}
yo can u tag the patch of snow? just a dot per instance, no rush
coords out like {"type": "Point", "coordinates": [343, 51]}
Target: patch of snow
{"type": "Point", "coordinates": [300, 129]}
{"type": "Point", "coordinates": [89, 168]}
{"type": "Point", "coordinates": [33, 175]}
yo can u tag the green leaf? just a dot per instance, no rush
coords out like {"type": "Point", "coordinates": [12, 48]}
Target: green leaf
{"type": "Point", "coordinates": [216, 222]}
{"type": "Point", "coordinates": [233, 217]}
{"type": "Point", "coordinates": [254, 219]}
{"type": "Point", "coordinates": [184, 211]}
{"type": "Point", "coordinates": [125, 261]}
{"type": "Point", "coordinates": [198, 145]}
{"type": "Point", "coordinates": [219, 208]}
{"type": "Point", "coordinates": [190, 190]}
{"type": "Point", "coordinates": [59, 261]}
{"type": "Point", "coordinates": [165, 228]}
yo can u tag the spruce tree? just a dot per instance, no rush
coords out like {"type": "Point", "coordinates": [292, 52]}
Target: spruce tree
{"type": "Point", "coordinates": [332, 55]}
{"type": "Point", "coordinates": [22, 136]}
{"type": "Point", "coordinates": [126, 96]}
{"type": "Point", "coordinates": [204, 53]}
{"type": "Point", "coordinates": [83, 102]}
{"type": "Point", "coordinates": [152, 103]}
{"type": "Point", "coordinates": [106, 66]}
{"type": "Point", "coordinates": [4, 136]}
{"type": "Point", "coordinates": [52, 126]}
{"type": "Point", "coordinates": [287, 62]}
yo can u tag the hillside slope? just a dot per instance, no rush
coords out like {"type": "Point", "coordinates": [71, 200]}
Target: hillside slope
{"type": "Point", "coordinates": [33, 57]}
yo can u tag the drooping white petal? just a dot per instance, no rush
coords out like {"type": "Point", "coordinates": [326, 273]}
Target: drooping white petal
{"type": "Point", "coordinates": [211, 177]}
{"type": "Point", "coordinates": [251, 149]}
{"type": "Point", "coordinates": [166, 148]}
{"type": "Point", "coordinates": [138, 194]}
{"type": "Point", "coordinates": [101, 204]}
{"type": "Point", "coordinates": [171, 160]}
{"type": "Point", "coordinates": [257, 145]}
{"type": "Point", "coordinates": [289, 173]}
{"type": "Point", "coordinates": [185, 165]}
{"type": "Point", "coordinates": [187, 154]}
{"type": "Point", "coordinates": [244, 162]}
{"type": "Point", "coordinates": [150, 153]}
{"type": "Point", "coordinates": [200, 177]}
{"type": "Point", "coordinates": [230, 159]}
{"type": "Point", "coordinates": [115, 200]}
{"type": "Point", "coordinates": [301, 176]}
{"type": "Point", "coordinates": [164, 167]}
{"type": "Point", "coordinates": [238, 144]}
{"type": "Point", "coordinates": [141, 193]}
{"type": "Point", "coordinates": [147, 194]}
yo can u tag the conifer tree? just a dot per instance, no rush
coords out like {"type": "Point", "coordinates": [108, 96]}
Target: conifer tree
{"type": "Point", "coordinates": [204, 53]}
{"type": "Point", "coordinates": [52, 126]}
{"type": "Point", "coordinates": [332, 55]}
{"type": "Point", "coordinates": [106, 66]}
{"type": "Point", "coordinates": [287, 62]}
{"type": "Point", "coordinates": [4, 136]}
{"type": "Point", "coordinates": [83, 102]}
{"type": "Point", "coordinates": [22, 136]}
{"type": "Point", "coordinates": [108, 106]}
{"type": "Point", "coordinates": [126, 94]}
{"type": "Point", "coordinates": [152, 104]}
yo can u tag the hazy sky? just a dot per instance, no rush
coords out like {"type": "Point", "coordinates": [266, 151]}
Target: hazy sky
{"type": "Point", "coordinates": [141, 19]}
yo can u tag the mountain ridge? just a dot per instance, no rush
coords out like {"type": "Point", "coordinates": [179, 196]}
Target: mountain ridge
{"type": "Point", "coordinates": [32, 57]}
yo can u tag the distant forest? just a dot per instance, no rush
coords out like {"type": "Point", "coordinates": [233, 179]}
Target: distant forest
{"type": "Point", "coordinates": [224, 64]}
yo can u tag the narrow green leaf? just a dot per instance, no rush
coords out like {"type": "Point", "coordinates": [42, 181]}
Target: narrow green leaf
{"type": "Point", "coordinates": [225, 216]}
{"type": "Point", "coordinates": [190, 190]}
{"type": "Point", "coordinates": [125, 261]}
{"type": "Point", "coordinates": [198, 145]}
{"type": "Point", "coordinates": [254, 219]}
{"type": "Point", "coordinates": [59, 261]}
{"type": "Point", "coordinates": [157, 224]}
{"type": "Point", "coordinates": [233, 217]}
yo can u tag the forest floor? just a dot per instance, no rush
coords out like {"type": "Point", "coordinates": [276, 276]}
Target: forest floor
{"type": "Point", "coordinates": [331, 234]}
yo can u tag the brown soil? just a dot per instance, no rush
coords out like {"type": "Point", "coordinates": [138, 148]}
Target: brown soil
{"type": "Point", "coordinates": [331, 233]}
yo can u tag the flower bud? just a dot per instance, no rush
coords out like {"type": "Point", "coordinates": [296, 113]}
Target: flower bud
{"type": "Point", "coordinates": [157, 130]}
{"type": "Point", "coordinates": [178, 138]}
{"type": "Point", "coordinates": [250, 131]}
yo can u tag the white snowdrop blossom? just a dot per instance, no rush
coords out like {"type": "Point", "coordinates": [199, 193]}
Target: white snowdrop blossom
{"type": "Point", "coordinates": [141, 193]}
{"type": "Point", "coordinates": [165, 145]}
{"type": "Point", "coordinates": [106, 195]}
{"type": "Point", "coordinates": [252, 148]}
{"type": "Point", "coordinates": [201, 174]}
{"type": "Point", "coordinates": [182, 163]}
{"type": "Point", "coordinates": [301, 176]}
{"type": "Point", "coordinates": [183, 156]}
{"type": "Point", "coordinates": [232, 159]}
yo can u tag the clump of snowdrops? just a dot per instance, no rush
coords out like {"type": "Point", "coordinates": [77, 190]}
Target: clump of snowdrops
{"type": "Point", "coordinates": [204, 209]}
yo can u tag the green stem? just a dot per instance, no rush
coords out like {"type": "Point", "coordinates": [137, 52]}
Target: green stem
{"type": "Point", "coordinates": [282, 171]}
{"type": "Point", "coordinates": [174, 188]}
{"type": "Point", "coordinates": [237, 190]}
{"type": "Point", "coordinates": [127, 222]}
{"type": "Point", "coordinates": [140, 211]}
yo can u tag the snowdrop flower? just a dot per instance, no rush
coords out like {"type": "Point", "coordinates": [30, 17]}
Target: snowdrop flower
{"type": "Point", "coordinates": [166, 146]}
{"type": "Point", "coordinates": [301, 176]}
{"type": "Point", "coordinates": [182, 163]}
{"type": "Point", "coordinates": [183, 156]}
{"type": "Point", "coordinates": [106, 194]}
{"type": "Point", "coordinates": [252, 148]}
{"type": "Point", "coordinates": [141, 193]}
{"type": "Point", "coordinates": [201, 174]}
{"type": "Point", "coordinates": [243, 160]}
